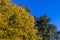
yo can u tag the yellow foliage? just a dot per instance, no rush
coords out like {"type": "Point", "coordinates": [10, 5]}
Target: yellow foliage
{"type": "Point", "coordinates": [16, 23]}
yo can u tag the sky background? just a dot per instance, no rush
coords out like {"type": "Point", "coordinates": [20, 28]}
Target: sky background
{"type": "Point", "coordinates": [41, 7]}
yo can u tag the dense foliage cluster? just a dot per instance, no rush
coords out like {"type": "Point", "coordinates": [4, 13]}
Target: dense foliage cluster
{"type": "Point", "coordinates": [16, 23]}
{"type": "Point", "coordinates": [46, 30]}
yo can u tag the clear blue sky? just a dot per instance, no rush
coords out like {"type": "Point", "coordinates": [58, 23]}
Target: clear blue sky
{"type": "Point", "coordinates": [40, 7]}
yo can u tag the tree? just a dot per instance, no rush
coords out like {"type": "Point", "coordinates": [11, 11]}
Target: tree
{"type": "Point", "coordinates": [16, 23]}
{"type": "Point", "coordinates": [46, 30]}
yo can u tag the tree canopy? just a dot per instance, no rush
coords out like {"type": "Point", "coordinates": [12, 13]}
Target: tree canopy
{"type": "Point", "coordinates": [15, 22]}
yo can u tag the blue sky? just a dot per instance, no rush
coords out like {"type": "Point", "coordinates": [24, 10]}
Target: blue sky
{"type": "Point", "coordinates": [40, 7]}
